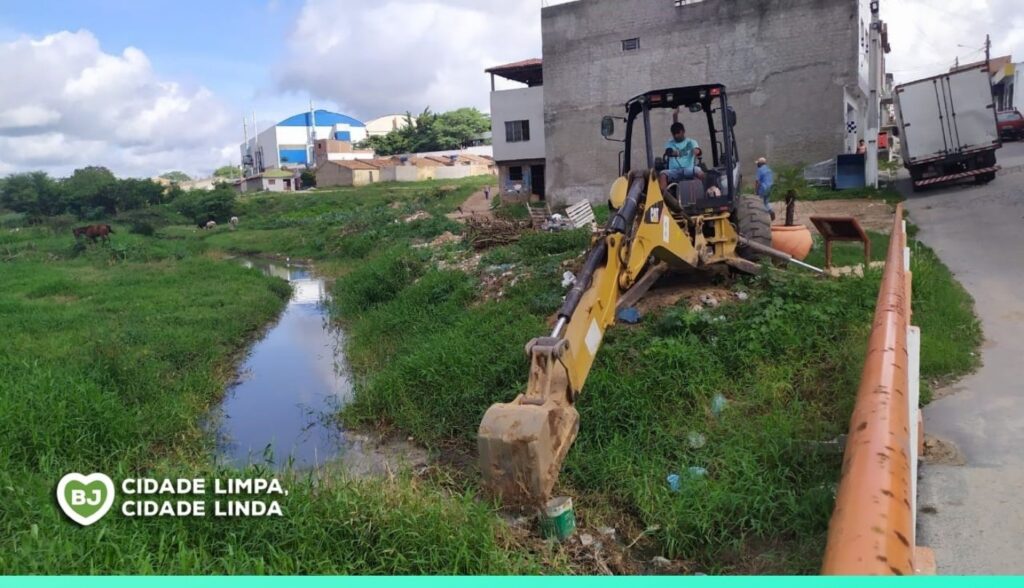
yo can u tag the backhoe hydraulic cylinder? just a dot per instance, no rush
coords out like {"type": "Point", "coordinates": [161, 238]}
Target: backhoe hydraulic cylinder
{"type": "Point", "coordinates": [622, 222]}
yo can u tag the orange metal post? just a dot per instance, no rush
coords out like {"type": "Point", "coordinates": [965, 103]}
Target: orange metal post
{"type": "Point", "coordinates": [871, 531]}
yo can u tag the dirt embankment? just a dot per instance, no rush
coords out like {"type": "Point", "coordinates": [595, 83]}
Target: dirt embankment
{"type": "Point", "coordinates": [873, 215]}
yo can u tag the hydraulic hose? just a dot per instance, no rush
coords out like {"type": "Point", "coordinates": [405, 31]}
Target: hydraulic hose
{"type": "Point", "coordinates": [622, 222]}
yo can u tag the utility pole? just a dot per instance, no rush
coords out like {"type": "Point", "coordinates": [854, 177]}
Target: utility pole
{"type": "Point", "coordinates": [874, 120]}
{"type": "Point", "coordinates": [311, 145]}
{"type": "Point", "coordinates": [246, 152]}
{"type": "Point", "coordinates": [988, 50]}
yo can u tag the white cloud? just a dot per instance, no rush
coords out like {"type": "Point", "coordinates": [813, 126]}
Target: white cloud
{"type": "Point", "coordinates": [927, 36]}
{"type": "Point", "coordinates": [27, 117]}
{"type": "Point", "coordinates": [373, 58]}
{"type": "Point", "coordinates": [75, 105]}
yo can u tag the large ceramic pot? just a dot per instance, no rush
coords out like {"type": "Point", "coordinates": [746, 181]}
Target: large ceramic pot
{"type": "Point", "coordinates": [795, 240]}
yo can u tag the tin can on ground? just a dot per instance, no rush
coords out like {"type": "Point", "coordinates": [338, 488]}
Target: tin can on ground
{"type": "Point", "coordinates": [558, 520]}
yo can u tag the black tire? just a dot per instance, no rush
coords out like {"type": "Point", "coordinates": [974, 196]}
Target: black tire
{"type": "Point", "coordinates": [754, 224]}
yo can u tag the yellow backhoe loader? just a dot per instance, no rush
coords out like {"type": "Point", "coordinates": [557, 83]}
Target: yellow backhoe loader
{"type": "Point", "coordinates": [694, 225]}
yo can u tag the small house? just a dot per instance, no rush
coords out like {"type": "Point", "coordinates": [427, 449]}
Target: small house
{"type": "Point", "coordinates": [353, 172]}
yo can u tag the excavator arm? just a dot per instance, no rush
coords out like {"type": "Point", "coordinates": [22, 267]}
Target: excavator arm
{"type": "Point", "coordinates": [522, 443]}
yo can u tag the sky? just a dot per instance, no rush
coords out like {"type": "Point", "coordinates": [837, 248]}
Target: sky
{"type": "Point", "coordinates": [148, 86]}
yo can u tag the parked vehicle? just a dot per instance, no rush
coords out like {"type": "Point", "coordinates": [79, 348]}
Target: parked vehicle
{"type": "Point", "coordinates": [1011, 124]}
{"type": "Point", "coordinates": [947, 126]}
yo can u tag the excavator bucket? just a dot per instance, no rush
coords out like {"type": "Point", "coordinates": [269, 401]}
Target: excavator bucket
{"type": "Point", "coordinates": [522, 443]}
{"type": "Point", "coordinates": [522, 446]}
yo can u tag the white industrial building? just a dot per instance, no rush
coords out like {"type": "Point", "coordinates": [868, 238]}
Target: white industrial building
{"type": "Point", "coordinates": [290, 143]}
{"type": "Point", "coordinates": [383, 125]}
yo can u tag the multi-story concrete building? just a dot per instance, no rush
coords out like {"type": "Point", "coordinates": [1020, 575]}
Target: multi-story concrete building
{"type": "Point", "coordinates": [796, 72]}
{"type": "Point", "coordinates": [290, 142]}
{"type": "Point", "coordinates": [517, 128]}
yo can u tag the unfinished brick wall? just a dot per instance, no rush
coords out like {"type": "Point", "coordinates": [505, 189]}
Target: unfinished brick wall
{"type": "Point", "coordinates": [785, 64]}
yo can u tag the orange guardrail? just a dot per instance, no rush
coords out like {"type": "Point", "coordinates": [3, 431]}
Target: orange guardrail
{"type": "Point", "coordinates": [872, 526]}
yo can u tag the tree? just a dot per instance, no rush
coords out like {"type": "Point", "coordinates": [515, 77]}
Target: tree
{"type": "Point", "coordinates": [89, 192]}
{"type": "Point", "coordinates": [132, 193]}
{"type": "Point", "coordinates": [204, 205]}
{"type": "Point", "coordinates": [35, 194]}
{"type": "Point", "coordinates": [176, 176]}
{"type": "Point", "coordinates": [432, 132]}
{"type": "Point", "coordinates": [227, 171]}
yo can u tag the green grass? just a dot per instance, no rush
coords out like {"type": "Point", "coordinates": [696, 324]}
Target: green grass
{"type": "Point", "coordinates": [433, 357]}
{"type": "Point", "coordinates": [112, 355]}
{"type": "Point", "coordinates": [950, 331]}
{"type": "Point", "coordinates": [846, 253]}
{"type": "Point", "coordinates": [431, 348]}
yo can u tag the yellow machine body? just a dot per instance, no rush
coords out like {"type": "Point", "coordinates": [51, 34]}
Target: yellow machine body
{"type": "Point", "coordinates": [522, 443]}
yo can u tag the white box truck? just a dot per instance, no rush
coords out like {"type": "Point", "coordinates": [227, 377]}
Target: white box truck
{"type": "Point", "coordinates": [947, 128]}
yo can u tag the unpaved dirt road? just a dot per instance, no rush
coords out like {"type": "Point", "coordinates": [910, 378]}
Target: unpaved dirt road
{"type": "Point", "coordinates": [972, 515]}
{"type": "Point", "coordinates": [475, 205]}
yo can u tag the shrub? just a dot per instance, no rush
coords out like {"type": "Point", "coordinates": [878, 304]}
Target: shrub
{"type": "Point", "coordinates": [308, 179]}
{"type": "Point", "coordinates": [203, 205]}
{"type": "Point", "coordinates": [142, 228]}
{"type": "Point", "coordinates": [60, 223]}
{"type": "Point", "coordinates": [13, 219]}
{"type": "Point", "coordinates": [380, 279]}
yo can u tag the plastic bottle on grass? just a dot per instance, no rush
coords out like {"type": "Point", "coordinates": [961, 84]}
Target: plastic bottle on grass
{"type": "Point", "coordinates": [695, 440]}
{"type": "Point", "coordinates": [718, 404]}
{"type": "Point", "coordinates": [673, 482]}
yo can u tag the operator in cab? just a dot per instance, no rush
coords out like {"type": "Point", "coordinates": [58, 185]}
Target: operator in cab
{"type": "Point", "coordinates": [681, 153]}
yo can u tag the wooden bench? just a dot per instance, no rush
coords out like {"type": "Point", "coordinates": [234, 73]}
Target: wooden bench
{"type": "Point", "coordinates": [842, 228]}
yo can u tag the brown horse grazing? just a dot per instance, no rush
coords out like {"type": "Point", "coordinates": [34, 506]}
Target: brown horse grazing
{"type": "Point", "coordinates": [93, 232]}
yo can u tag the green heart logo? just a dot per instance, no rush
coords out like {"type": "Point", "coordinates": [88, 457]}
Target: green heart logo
{"type": "Point", "coordinates": [85, 499]}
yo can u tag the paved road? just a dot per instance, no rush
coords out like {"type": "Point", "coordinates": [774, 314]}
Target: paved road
{"type": "Point", "coordinates": [977, 526]}
{"type": "Point", "coordinates": [1011, 155]}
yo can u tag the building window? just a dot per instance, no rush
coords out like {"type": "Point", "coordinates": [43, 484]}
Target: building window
{"type": "Point", "coordinates": [515, 173]}
{"type": "Point", "coordinates": [517, 130]}
{"type": "Point", "coordinates": [631, 44]}
{"type": "Point", "coordinates": [271, 182]}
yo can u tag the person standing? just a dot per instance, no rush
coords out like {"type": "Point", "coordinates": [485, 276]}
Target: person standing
{"type": "Point", "coordinates": [763, 182]}
{"type": "Point", "coordinates": [487, 192]}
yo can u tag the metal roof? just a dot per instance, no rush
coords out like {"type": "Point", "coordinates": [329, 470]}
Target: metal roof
{"type": "Point", "coordinates": [528, 71]}
{"type": "Point", "coordinates": [324, 118]}
{"type": "Point", "coordinates": [277, 173]}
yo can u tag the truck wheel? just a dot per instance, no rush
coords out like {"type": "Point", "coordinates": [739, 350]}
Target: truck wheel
{"type": "Point", "coordinates": [753, 223]}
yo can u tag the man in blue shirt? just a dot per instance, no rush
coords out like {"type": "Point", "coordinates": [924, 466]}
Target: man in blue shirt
{"type": "Point", "coordinates": [763, 182]}
{"type": "Point", "coordinates": [681, 153]}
